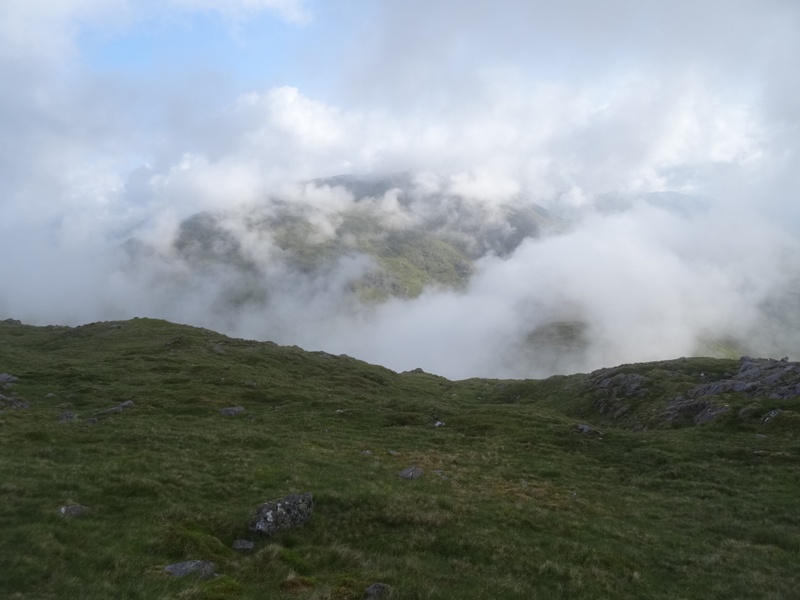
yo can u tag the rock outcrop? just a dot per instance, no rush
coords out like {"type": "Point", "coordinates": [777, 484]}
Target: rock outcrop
{"type": "Point", "coordinates": [757, 377]}
{"type": "Point", "coordinates": [411, 473]}
{"type": "Point", "coordinates": [289, 512]}
{"type": "Point", "coordinates": [9, 401]}
{"type": "Point", "coordinates": [618, 385]}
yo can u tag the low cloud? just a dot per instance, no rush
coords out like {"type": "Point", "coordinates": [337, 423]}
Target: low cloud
{"type": "Point", "coordinates": [663, 176]}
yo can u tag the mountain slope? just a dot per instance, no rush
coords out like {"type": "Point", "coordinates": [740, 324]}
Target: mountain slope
{"type": "Point", "coordinates": [531, 489]}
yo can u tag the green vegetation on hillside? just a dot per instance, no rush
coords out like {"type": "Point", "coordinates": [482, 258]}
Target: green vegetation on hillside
{"type": "Point", "coordinates": [516, 500]}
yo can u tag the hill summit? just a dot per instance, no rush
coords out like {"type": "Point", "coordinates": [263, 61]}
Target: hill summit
{"type": "Point", "coordinates": [138, 454]}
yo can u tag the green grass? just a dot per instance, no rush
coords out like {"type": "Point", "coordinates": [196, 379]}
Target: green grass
{"type": "Point", "coordinates": [522, 506]}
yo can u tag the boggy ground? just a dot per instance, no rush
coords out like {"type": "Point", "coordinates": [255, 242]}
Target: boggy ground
{"type": "Point", "coordinates": [560, 488]}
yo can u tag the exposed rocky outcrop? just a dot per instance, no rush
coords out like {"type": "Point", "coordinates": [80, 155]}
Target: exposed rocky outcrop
{"type": "Point", "coordinates": [231, 411]}
{"type": "Point", "coordinates": [699, 411]}
{"type": "Point", "coordinates": [289, 512]}
{"type": "Point", "coordinates": [411, 473]}
{"type": "Point", "coordinates": [7, 381]}
{"type": "Point", "coordinates": [11, 402]}
{"type": "Point", "coordinates": [757, 377]}
{"type": "Point", "coordinates": [618, 385]}
{"type": "Point", "coordinates": [614, 388]}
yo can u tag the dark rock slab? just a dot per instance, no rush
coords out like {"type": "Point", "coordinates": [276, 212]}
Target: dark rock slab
{"type": "Point", "coordinates": [289, 512]}
{"type": "Point", "coordinates": [202, 569]}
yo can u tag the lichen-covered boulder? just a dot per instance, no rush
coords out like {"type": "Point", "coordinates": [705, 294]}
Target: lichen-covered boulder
{"type": "Point", "coordinates": [286, 513]}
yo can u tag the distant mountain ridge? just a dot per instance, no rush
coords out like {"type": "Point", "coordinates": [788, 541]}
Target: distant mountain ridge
{"type": "Point", "coordinates": [337, 249]}
{"type": "Point", "coordinates": [409, 239]}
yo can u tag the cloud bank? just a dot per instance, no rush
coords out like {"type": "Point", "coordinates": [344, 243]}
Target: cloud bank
{"type": "Point", "coordinates": [589, 109]}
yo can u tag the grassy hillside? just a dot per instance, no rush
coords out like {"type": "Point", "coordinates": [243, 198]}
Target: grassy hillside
{"type": "Point", "coordinates": [570, 487]}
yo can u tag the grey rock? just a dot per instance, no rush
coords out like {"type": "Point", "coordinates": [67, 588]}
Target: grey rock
{"type": "Point", "coordinates": [366, 452]}
{"type": "Point", "coordinates": [7, 379]}
{"type": "Point", "coordinates": [622, 410]}
{"type": "Point", "coordinates": [73, 510]}
{"type": "Point", "coordinates": [619, 384]}
{"type": "Point", "coordinates": [774, 378]}
{"type": "Point", "coordinates": [10, 402]}
{"type": "Point", "coordinates": [67, 416]}
{"type": "Point", "coordinates": [771, 415]}
{"type": "Point", "coordinates": [12, 321]}
{"type": "Point", "coordinates": [202, 569]}
{"type": "Point", "coordinates": [439, 424]}
{"type": "Point", "coordinates": [713, 388]}
{"type": "Point", "coordinates": [377, 591]}
{"type": "Point", "coordinates": [710, 413]}
{"type": "Point", "coordinates": [411, 473]}
{"type": "Point", "coordinates": [231, 411]}
{"type": "Point", "coordinates": [289, 512]}
{"type": "Point", "coordinates": [243, 545]}
{"type": "Point", "coordinates": [689, 408]}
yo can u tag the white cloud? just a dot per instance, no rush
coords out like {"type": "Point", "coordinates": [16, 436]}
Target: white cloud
{"type": "Point", "coordinates": [557, 102]}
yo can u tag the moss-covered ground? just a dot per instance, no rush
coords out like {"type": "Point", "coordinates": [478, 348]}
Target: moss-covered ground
{"type": "Point", "coordinates": [514, 502]}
